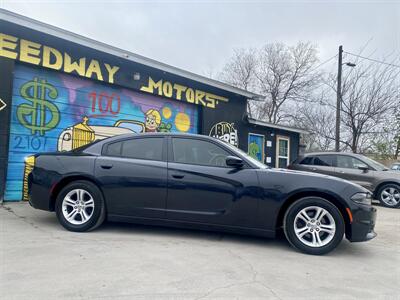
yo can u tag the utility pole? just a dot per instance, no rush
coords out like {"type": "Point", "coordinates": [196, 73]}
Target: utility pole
{"type": "Point", "coordinates": [338, 99]}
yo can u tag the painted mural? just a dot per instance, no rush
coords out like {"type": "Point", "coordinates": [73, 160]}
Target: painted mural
{"type": "Point", "coordinates": [225, 131]}
{"type": "Point", "coordinates": [256, 146]}
{"type": "Point", "coordinates": [52, 111]}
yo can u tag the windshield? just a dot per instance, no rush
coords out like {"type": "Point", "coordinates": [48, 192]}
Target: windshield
{"type": "Point", "coordinates": [248, 157]}
{"type": "Point", "coordinates": [375, 164]}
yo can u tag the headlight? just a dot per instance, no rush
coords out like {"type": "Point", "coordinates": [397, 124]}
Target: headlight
{"type": "Point", "coordinates": [67, 137]}
{"type": "Point", "coordinates": [362, 198]}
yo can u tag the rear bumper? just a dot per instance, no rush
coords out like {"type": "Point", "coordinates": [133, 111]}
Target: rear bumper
{"type": "Point", "coordinates": [38, 195]}
{"type": "Point", "coordinates": [362, 227]}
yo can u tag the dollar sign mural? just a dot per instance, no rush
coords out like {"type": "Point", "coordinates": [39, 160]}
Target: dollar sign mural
{"type": "Point", "coordinates": [40, 115]}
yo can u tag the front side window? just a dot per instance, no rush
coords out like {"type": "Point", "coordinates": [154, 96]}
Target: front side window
{"type": "Point", "coordinates": [198, 152]}
{"type": "Point", "coordinates": [349, 162]}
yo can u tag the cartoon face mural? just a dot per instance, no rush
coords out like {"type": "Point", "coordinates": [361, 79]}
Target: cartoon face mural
{"type": "Point", "coordinates": [53, 111]}
{"type": "Point", "coordinates": [226, 132]}
{"type": "Point", "coordinates": [256, 146]}
{"type": "Point", "coordinates": [153, 120]}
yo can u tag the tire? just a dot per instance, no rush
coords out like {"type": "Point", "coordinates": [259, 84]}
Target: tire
{"type": "Point", "coordinates": [86, 215]}
{"type": "Point", "coordinates": [389, 195]}
{"type": "Point", "coordinates": [329, 226]}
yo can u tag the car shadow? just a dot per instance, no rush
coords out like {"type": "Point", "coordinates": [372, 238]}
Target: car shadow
{"type": "Point", "coordinates": [193, 234]}
{"type": "Point", "coordinates": [345, 248]}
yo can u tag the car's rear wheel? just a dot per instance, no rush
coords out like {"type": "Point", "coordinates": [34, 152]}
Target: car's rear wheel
{"type": "Point", "coordinates": [313, 225]}
{"type": "Point", "coordinates": [80, 206]}
{"type": "Point", "coordinates": [389, 195]}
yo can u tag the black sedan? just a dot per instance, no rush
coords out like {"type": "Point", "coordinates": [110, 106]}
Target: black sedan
{"type": "Point", "coordinates": [195, 181]}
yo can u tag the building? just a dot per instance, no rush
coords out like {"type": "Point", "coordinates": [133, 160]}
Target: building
{"type": "Point", "coordinates": [60, 91]}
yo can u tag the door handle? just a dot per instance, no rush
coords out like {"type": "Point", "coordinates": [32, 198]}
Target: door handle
{"type": "Point", "coordinates": [178, 176]}
{"type": "Point", "coordinates": [106, 166]}
{"type": "Point", "coordinates": [313, 169]}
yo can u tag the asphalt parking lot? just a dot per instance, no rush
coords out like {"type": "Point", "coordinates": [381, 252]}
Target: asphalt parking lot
{"type": "Point", "coordinates": [41, 260]}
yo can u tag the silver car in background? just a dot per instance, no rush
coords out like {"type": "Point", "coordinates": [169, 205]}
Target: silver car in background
{"type": "Point", "coordinates": [380, 180]}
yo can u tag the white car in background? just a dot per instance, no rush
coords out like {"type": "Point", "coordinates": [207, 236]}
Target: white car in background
{"type": "Point", "coordinates": [395, 166]}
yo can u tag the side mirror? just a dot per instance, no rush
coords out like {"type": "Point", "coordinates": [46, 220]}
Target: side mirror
{"type": "Point", "coordinates": [363, 168]}
{"type": "Point", "coordinates": [234, 161]}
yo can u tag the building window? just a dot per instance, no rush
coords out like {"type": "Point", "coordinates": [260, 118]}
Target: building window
{"type": "Point", "coordinates": [256, 146]}
{"type": "Point", "coordinates": [282, 151]}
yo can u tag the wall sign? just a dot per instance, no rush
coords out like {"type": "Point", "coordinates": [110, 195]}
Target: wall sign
{"type": "Point", "coordinates": [226, 132]}
{"type": "Point", "coordinates": [48, 57]}
{"type": "Point", "coordinates": [42, 55]}
{"type": "Point", "coordinates": [181, 92]}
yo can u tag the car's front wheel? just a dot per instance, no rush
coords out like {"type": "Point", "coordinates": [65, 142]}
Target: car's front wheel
{"type": "Point", "coordinates": [80, 206]}
{"type": "Point", "coordinates": [389, 195]}
{"type": "Point", "coordinates": [313, 225]}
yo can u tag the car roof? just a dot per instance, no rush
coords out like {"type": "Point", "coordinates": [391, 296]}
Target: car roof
{"type": "Point", "coordinates": [96, 147]}
{"type": "Point", "coordinates": [152, 134]}
{"type": "Point", "coordinates": [331, 153]}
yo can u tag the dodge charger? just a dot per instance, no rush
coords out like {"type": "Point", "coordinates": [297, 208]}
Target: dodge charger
{"type": "Point", "coordinates": [198, 182]}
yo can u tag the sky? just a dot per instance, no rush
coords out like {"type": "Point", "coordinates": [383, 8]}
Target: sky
{"type": "Point", "coordinates": [200, 36]}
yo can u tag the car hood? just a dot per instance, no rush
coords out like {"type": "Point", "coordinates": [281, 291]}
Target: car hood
{"type": "Point", "coordinates": [394, 175]}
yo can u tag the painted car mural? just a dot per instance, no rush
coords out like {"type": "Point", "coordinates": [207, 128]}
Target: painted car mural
{"type": "Point", "coordinates": [53, 111]}
{"type": "Point", "coordinates": [82, 133]}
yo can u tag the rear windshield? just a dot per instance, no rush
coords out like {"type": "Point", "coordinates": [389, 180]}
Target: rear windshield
{"type": "Point", "coordinates": [84, 147]}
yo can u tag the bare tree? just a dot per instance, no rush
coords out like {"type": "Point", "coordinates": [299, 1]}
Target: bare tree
{"type": "Point", "coordinates": [284, 73]}
{"type": "Point", "coordinates": [386, 144]}
{"type": "Point", "coordinates": [397, 132]}
{"type": "Point", "coordinates": [317, 117]}
{"type": "Point", "coordinates": [281, 73]}
{"type": "Point", "coordinates": [369, 95]}
{"type": "Point", "coordinates": [240, 70]}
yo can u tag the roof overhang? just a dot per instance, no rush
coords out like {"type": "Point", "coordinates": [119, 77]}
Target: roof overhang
{"type": "Point", "coordinates": [277, 126]}
{"type": "Point", "coordinates": [87, 42]}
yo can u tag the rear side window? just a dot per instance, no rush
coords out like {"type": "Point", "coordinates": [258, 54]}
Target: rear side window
{"type": "Point", "coordinates": [114, 149]}
{"type": "Point", "coordinates": [323, 160]}
{"type": "Point", "coordinates": [144, 148]}
{"type": "Point", "coordinates": [307, 160]}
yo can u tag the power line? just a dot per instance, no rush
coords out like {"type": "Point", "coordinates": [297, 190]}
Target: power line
{"type": "Point", "coordinates": [371, 59]}
{"type": "Point", "coordinates": [323, 63]}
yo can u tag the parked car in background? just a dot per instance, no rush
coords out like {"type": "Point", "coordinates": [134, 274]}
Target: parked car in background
{"type": "Point", "coordinates": [382, 182]}
{"type": "Point", "coordinates": [395, 167]}
{"type": "Point", "coordinates": [196, 181]}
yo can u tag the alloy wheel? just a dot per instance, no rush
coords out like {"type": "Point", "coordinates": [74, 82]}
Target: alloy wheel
{"type": "Point", "coordinates": [314, 226]}
{"type": "Point", "coordinates": [390, 196]}
{"type": "Point", "coordinates": [78, 206]}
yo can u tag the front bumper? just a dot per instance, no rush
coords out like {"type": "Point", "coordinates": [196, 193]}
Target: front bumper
{"type": "Point", "coordinates": [362, 227]}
